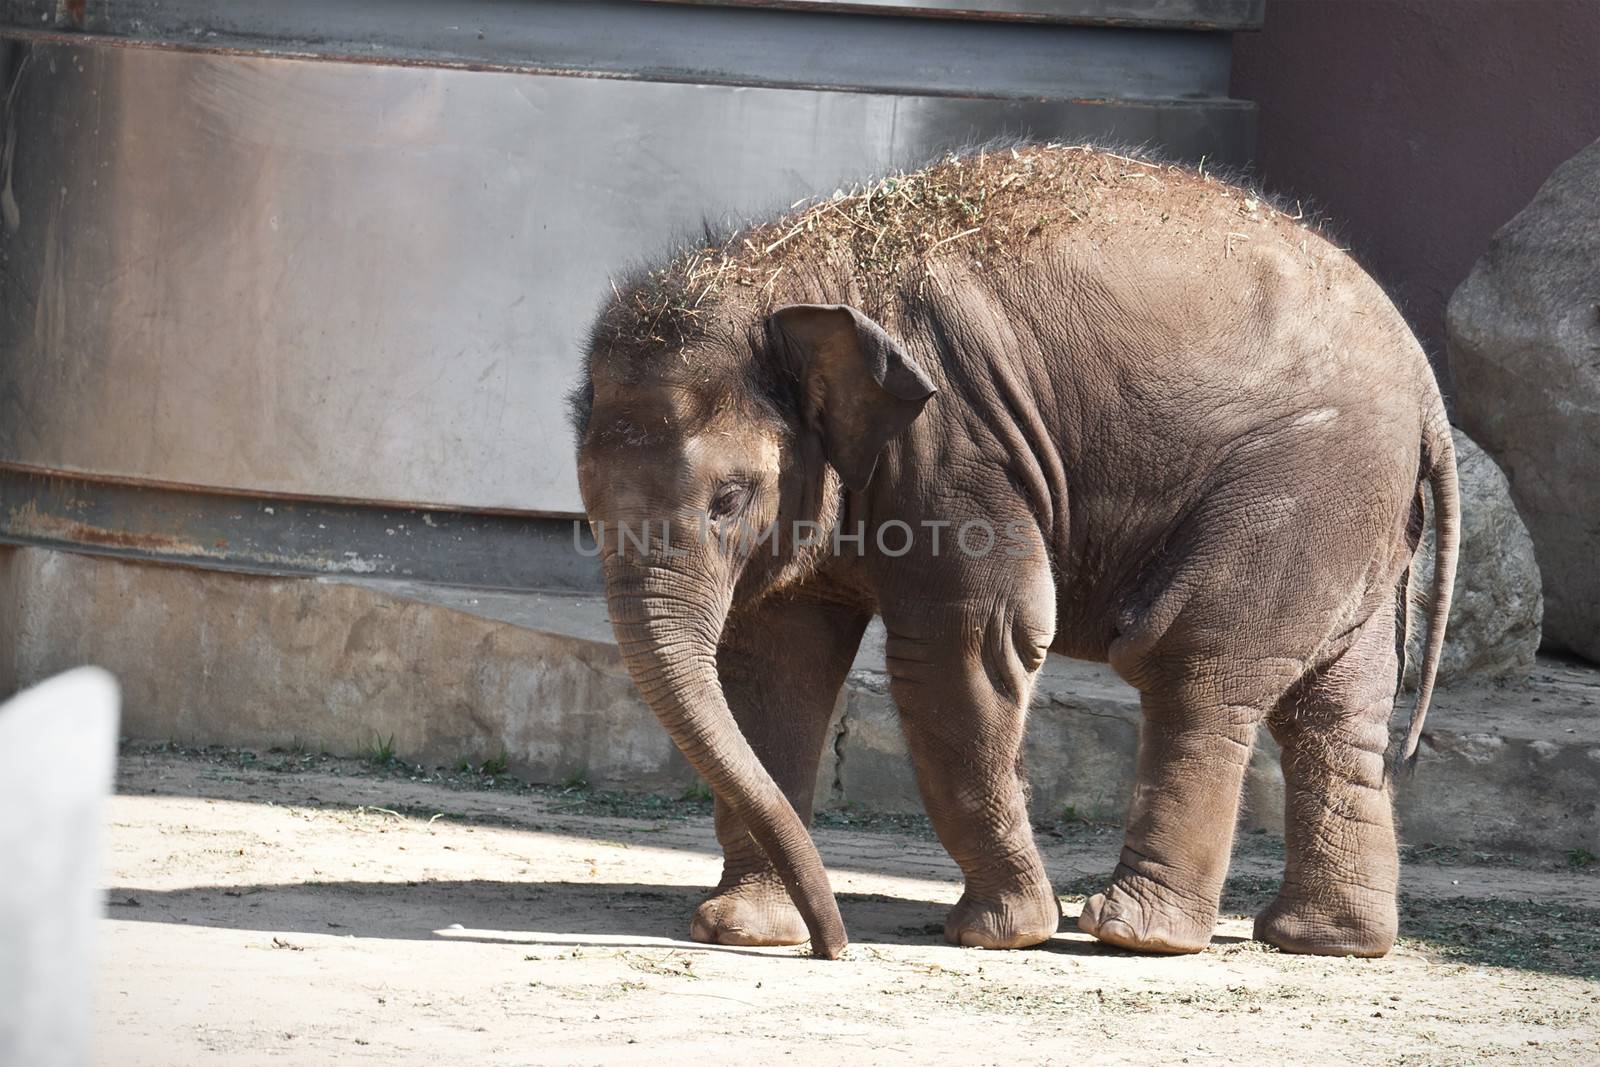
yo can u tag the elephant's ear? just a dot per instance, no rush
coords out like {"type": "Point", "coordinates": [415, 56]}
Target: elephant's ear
{"type": "Point", "coordinates": [860, 389]}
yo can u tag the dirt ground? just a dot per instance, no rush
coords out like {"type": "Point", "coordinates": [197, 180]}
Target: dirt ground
{"type": "Point", "coordinates": [296, 909]}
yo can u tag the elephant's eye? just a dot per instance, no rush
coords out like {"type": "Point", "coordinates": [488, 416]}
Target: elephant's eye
{"type": "Point", "coordinates": [727, 500]}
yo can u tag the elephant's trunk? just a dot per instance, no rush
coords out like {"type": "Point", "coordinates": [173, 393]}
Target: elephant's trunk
{"type": "Point", "coordinates": [668, 626]}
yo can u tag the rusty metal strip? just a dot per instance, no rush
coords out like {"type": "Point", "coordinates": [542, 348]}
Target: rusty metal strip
{"type": "Point", "coordinates": [289, 537]}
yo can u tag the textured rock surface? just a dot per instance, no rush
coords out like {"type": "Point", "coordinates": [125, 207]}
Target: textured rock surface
{"type": "Point", "coordinates": [1497, 604]}
{"type": "Point", "coordinates": [1524, 341]}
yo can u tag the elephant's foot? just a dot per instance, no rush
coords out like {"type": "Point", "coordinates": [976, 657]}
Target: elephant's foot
{"type": "Point", "coordinates": [1338, 926]}
{"type": "Point", "coordinates": [1140, 914]}
{"type": "Point", "coordinates": [755, 912]}
{"type": "Point", "coordinates": [1017, 919]}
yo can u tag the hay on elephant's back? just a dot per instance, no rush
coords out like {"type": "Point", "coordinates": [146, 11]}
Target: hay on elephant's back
{"type": "Point", "coordinates": [990, 207]}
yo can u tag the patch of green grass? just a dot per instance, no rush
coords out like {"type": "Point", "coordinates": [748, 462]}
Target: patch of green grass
{"type": "Point", "coordinates": [615, 805]}
{"type": "Point", "coordinates": [697, 790]}
{"type": "Point", "coordinates": [1075, 825]}
{"type": "Point", "coordinates": [576, 782]}
{"type": "Point", "coordinates": [1580, 858]}
{"type": "Point", "coordinates": [852, 817]}
{"type": "Point", "coordinates": [381, 752]}
{"type": "Point", "coordinates": [495, 766]}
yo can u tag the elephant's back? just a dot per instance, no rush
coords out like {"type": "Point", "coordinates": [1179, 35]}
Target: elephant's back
{"type": "Point", "coordinates": [1202, 291]}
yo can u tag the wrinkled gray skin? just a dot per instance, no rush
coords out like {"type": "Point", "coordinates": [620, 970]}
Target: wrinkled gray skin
{"type": "Point", "coordinates": [1211, 452]}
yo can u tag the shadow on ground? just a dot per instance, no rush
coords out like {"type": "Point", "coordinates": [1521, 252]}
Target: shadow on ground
{"type": "Point", "coordinates": [1524, 934]}
{"type": "Point", "coordinates": [1507, 928]}
{"type": "Point", "coordinates": [521, 913]}
{"type": "Point", "coordinates": [1489, 932]}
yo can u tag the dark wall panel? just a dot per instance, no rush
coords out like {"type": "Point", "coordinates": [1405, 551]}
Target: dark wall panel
{"type": "Point", "coordinates": [1420, 126]}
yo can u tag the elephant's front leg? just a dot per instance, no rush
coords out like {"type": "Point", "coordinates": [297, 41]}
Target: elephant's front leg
{"type": "Point", "coordinates": [962, 675]}
{"type": "Point", "coordinates": [781, 664]}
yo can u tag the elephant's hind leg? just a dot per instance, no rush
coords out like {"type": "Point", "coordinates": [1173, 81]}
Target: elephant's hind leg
{"type": "Point", "coordinates": [781, 665]}
{"type": "Point", "coordinates": [1165, 891]}
{"type": "Point", "coordinates": [1342, 870]}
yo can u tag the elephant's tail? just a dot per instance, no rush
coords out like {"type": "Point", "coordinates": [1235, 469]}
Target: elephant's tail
{"type": "Point", "coordinates": [1439, 471]}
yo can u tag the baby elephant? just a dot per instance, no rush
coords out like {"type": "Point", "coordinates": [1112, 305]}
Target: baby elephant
{"type": "Point", "coordinates": [1047, 399]}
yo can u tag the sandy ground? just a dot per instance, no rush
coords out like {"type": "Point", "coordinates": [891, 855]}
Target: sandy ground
{"type": "Point", "coordinates": [307, 911]}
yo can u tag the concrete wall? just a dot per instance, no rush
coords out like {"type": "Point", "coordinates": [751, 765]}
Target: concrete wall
{"type": "Point", "coordinates": [211, 658]}
{"type": "Point", "coordinates": [1420, 126]}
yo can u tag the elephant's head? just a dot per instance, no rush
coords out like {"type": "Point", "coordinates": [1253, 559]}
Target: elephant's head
{"type": "Point", "coordinates": [696, 456]}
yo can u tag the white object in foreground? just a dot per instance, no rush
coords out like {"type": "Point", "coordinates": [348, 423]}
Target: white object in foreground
{"type": "Point", "coordinates": [58, 746]}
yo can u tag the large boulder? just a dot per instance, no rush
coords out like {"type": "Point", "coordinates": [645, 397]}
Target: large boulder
{"type": "Point", "coordinates": [1496, 605]}
{"type": "Point", "coordinates": [1524, 340]}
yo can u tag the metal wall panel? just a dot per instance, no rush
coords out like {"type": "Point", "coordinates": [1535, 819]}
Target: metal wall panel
{"type": "Point", "coordinates": [343, 252]}
{"type": "Point", "coordinates": [369, 283]}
